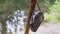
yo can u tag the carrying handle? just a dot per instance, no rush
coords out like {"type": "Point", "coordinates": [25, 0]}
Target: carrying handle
{"type": "Point", "coordinates": [38, 6]}
{"type": "Point", "coordinates": [41, 9]}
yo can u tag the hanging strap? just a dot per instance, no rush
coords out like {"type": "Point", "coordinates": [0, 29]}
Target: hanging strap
{"type": "Point", "coordinates": [38, 6]}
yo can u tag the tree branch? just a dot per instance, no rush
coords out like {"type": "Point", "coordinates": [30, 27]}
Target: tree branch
{"type": "Point", "coordinates": [32, 7]}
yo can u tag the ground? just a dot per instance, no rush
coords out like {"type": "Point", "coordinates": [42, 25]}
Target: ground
{"type": "Point", "coordinates": [47, 28]}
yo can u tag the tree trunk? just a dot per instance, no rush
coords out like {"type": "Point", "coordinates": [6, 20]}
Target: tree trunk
{"type": "Point", "coordinates": [32, 7]}
{"type": "Point", "coordinates": [4, 27]}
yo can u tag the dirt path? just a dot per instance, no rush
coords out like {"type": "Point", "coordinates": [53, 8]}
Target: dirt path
{"type": "Point", "coordinates": [48, 28]}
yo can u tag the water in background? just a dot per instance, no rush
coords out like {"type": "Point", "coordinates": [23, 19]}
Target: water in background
{"type": "Point", "coordinates": [17, 22]}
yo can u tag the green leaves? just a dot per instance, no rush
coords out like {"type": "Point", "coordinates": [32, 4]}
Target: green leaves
{"type": "Point", "coordinates": [54, 14]}
{"type": "Point", "coordinates": [16, 4]}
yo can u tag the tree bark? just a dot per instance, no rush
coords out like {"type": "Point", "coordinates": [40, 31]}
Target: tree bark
{"type": "Point", "coordinates": [32, 7]}
{"type": "Point", "coordinates": [4, 27]}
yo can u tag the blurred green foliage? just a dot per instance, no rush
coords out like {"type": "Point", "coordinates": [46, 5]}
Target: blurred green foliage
{"type": "Point", "coordinates": [52, 7]}
{"type": "Point", "coordinates": [15, 4]}
{"type": "Point", "coordinates": [54, 14]}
